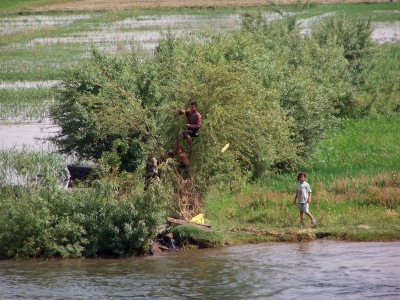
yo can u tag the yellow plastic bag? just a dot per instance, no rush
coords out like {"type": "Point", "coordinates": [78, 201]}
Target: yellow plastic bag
{"type": "Point", "coordinates": [199, 219]}
{"type": "Point", "coordinates": [225, 147]}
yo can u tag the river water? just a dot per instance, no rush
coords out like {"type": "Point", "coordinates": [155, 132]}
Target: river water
{"type": "Point", "coordinates": [315, 270]}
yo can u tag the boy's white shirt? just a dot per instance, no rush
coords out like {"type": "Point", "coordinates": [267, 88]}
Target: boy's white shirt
{"type": "Point", "coordinates": [302, 191]}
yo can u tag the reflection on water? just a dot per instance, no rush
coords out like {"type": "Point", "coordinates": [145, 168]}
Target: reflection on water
{"type": "Point", "coordinates": [386, 32]}
{"type": "Point", "coordinates": [28, 84]}
{"type": "Point", "coordinates": [319, 270]}
{"type": "Point", "coordinates": [20, 135]}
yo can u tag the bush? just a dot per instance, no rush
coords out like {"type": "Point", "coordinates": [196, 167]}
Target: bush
{"type": "Point", "coordinates": [107, 219]}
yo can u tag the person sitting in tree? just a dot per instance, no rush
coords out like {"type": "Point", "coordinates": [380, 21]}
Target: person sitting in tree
{"type": "Point", "coordinates": [192, 126]}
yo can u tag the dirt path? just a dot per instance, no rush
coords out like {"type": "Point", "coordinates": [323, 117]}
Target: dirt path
{"type": "Point", "coordinates": [143, 4]}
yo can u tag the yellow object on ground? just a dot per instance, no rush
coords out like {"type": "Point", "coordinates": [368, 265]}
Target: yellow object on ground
{"type": "Point", "coordinates": [225, 147]}
{"type": "Point", "coordinates": [199, 219]}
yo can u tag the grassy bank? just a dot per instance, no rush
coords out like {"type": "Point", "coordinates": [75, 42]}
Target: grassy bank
{"type": "Point", "coordinates": [356, 194]}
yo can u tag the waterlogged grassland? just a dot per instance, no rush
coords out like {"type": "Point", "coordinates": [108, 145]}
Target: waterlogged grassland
{"type": "Point", "coordinates": [71, 5]}
{"type": "Point", "coordinates": [378, 12]}
{"type": "Point", "coordinates": [25, 103]}
{"type": "Point", "coordinates": [37, 47]}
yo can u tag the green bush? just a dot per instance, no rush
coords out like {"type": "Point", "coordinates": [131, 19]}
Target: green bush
{"type": "Point", "coordinates": [110, 218]}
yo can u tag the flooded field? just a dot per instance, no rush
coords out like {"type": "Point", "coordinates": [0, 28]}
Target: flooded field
{"type": "Point", "coordinates": [19, 24]}
{"type": "Point", "coordinates": [22, 134]}
{"type": "Point", "coordinates": [145, 30]}
{"type": "Point", "coordinates": [81, 32]}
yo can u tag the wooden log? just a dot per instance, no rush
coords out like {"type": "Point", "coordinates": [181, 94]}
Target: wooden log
{"type": "Point", "coordinates": [183, 222]}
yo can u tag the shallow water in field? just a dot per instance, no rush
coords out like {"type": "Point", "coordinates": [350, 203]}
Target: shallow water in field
{"type": "Point", "coordinates": [314, 270]}
{"type": "Point", "coordinates": [24, 23]}
{"type": "Point", "coordinates": [145, 30]}
{"type": "Point", "coordinates": [25, 134]}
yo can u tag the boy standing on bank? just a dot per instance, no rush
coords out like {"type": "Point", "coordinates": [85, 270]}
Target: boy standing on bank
{"type": "Point", "coordinates": [303, 197]}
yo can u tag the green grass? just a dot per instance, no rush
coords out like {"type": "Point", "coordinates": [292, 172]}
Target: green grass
{"type": "Point", "coordinates": [378, 12]}
{"type": "Point", "coordinates": [13, 6]}
{"type": "Point", "coordinates": [362, 147]}
{"type": "Point", "coordinates": [356, 190]}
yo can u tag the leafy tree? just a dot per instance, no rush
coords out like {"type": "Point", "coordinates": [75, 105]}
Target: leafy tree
{"type": "Point", "coordinates": [267, 90]}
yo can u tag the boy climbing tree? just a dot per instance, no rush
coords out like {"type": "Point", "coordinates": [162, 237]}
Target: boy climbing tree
{"type": "Point", "coordinates": [192, 126]}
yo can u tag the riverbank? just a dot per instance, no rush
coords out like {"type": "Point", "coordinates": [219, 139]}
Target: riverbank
{"type": "Point", "coordinates": [356, 194]}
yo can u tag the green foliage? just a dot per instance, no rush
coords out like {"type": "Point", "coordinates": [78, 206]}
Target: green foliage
{"type": "Point", "coordinates": [354, 38]}
{"type": "Point", "coordinates": [97, 105]}
{"type": "Point", "coordinates": [38, 218]}
{"type": "Point", "coordinates": [387, 80]}
{"type": "Point", "coordinates": [92, 222]}
{"type": "Point", "coordinates": [266, 89]}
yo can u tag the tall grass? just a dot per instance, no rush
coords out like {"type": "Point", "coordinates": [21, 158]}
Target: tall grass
{"type": "Point", "coordinates": [361, 147]}
{"type": "Point", "coordinates": [363, 208]}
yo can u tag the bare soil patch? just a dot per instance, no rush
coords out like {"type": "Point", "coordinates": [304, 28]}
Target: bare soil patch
{"type": "Point", "coordinates": [89, 5]}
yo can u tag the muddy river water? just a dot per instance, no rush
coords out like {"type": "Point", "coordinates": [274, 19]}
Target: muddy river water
{"type": "Point", "coordinates": [314, 270]}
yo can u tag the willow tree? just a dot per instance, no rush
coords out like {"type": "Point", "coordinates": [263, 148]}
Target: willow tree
{"type": "Point", "coordinates": [267, 90]}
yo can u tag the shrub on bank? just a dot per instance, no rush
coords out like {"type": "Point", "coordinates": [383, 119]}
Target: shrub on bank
{"type": "Point", "coordinates": [103, 220]}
